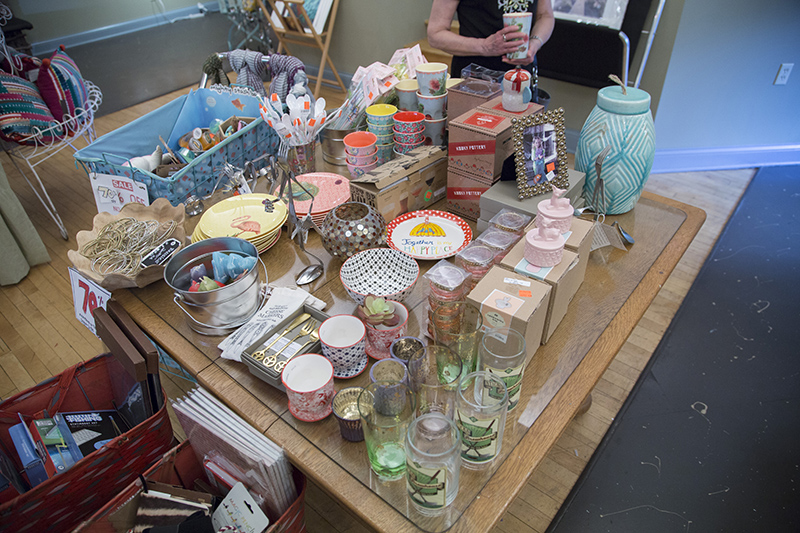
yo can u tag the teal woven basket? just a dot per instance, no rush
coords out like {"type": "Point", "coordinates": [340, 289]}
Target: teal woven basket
{"type": "Point", "coordinates": [109, 153]}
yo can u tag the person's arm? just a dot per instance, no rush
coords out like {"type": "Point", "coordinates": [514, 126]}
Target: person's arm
{"type": "Point", "coordinates": [543, 29]}
{"type": "Point", "coordinates": [440, 36]}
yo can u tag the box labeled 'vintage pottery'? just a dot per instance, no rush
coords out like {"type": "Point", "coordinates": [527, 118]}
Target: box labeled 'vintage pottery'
{"type": "Point", "coordinates": [564, 279]}
{"type": "Point", "coordinates": [479, 143]}
{"type": "Point", "coordinates": [464, 193]}
{"type": "Point", "coordinates": [507, 299]}
{"type": "Point", "coordinates": [495, 106]}
{"type": "Point", "coordinates": [408, 183]}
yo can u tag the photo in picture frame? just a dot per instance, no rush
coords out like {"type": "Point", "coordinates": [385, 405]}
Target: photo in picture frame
{"type": "Point", "coordinates": [540, 157]}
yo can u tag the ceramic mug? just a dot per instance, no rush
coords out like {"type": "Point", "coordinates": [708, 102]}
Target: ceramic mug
{"type": "Point", "coordinates": [408, 138]}
{"type": "Point", "coordinates": [381, 113]}
{"type": "Point", "coordinates": [523, 22]}
{"type": "Point", "coordinates": [403, 148]}
{"type": "Point", "coordinates": [356, 171]}
{"type": "Point", "coordinates": [380, 129]}
{"type": "Point", "coordinates": [385, 153]}
{"type": "Point", "coordinates": [409, 121]}
{"type": "Point", "coordinates": [362, 160]}
{"type": "Point", "coordinates": [434, 131]}
{"type": "Point", "coordinates": [380, 337]}
{"type": "Point", "coordinates": [432, 78]}
{"type": "Point", "coordinates": [360, 143]}
{"type": "Point", "coordinates": [406, 91]}
{"type": "Point", "coordinates": [308, 379]}
{"type": "Point", "coordinates": [343, 338]}
{"type": "Point", "coordinates": [433, 107]}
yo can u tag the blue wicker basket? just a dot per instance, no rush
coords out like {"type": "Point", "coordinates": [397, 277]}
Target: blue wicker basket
{"type": "Point", "coordinates": [109, 153]}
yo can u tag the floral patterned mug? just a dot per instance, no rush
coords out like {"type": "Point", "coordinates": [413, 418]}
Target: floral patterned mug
{"type": "Point", "coordinates": [432, 79]}
{"type": "Point", "coordinates": [308, 379]}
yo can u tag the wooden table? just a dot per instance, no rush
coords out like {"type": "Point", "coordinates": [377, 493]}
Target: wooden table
{"type": "Point", "coordinates": [617, 290]}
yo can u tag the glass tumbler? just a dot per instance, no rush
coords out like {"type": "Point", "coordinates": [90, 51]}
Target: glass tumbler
{"type": "Point", "coordinates": [503, 354]}
{"type": "Point", "coordinates": [386, 409]}
{"type": "Point", "coordinates": [481, 417]}
{"type": "Point", "coordinates": [433, 449]}
{"type": "Point", "coordinates": [457, 325]}
{"type": "Point", "coordinates": [435, 372]}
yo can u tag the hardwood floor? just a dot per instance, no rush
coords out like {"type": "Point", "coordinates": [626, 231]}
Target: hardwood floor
{"type": "Point", "coordinates": [39, 335]}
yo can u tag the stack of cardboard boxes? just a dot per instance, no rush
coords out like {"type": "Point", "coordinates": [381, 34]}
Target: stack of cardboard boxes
{"type": "Point", "coordinates": [480, 140]}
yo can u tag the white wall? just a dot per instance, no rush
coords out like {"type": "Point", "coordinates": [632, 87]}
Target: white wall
{"type": "Point", "coordinates": [718, 105]}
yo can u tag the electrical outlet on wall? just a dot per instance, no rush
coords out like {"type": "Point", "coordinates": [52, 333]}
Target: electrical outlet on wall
{"type": "Point", "coordinates": [783, 74]}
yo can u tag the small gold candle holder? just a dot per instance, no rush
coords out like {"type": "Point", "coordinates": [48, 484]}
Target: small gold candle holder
{"type": "Point", "coordinates": [345, 409]}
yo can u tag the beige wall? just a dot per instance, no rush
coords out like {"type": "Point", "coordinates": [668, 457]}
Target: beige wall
{"type": "Point", "coordinates": [366, 31]}
{"type": "Point", "coordinates": [52, 19]}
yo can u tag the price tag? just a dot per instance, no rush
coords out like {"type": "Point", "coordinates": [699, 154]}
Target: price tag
{"type": "Point", "coordinates": [161, 253]}
{"type": "Point", "coordinates": [86, 297]}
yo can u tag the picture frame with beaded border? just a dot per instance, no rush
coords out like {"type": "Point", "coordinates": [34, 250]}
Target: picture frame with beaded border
{"type": "Point", "coordinates": [522, 127]}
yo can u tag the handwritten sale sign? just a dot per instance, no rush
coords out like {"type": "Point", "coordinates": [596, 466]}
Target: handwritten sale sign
{"type": "Point", "coordinates": [86, 297]}
{"type": "Point", "coordinates": [112, 192]}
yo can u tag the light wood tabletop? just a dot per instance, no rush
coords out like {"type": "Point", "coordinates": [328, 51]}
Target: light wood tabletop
{"type": "Point", "coordinates": [618, 288]}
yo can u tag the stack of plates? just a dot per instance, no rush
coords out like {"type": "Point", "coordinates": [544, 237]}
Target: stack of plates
{"type": "Point", "coordinates": [329, 190]}
{"type": "Point", "coordinates": [245, 217]}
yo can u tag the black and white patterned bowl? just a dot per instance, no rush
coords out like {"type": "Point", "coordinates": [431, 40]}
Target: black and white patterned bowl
{"type": "Point", "coordinates": [383, 272]}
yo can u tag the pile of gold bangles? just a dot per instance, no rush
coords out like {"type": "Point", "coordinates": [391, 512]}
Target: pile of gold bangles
{"type": "Point", "coordinates": [121, 245]}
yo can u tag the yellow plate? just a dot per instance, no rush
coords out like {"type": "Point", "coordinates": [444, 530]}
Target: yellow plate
{"type": "Point", "coordinates": [243, 216]}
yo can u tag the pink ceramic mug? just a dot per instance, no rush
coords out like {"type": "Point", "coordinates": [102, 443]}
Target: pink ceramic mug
{"type": "Point", "coordinates": [308, 379]}
{"type": "Point", "coordinates": [379, 338]}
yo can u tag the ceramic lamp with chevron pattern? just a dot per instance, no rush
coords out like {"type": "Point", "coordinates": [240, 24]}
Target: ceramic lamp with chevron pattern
{"type": "Point", "coordinates": [622, 120]}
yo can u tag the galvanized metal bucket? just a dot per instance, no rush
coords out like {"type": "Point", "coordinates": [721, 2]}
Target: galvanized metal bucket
{"type": "Point", "coordinates": [218, 311]}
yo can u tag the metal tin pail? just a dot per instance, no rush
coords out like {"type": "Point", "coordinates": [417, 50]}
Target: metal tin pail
{"type": "Point", "coordinates": [218, 311]}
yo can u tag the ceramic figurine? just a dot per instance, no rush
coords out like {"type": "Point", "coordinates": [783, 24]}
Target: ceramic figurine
{"type": "Point", "coordinates": [557, 212]}
{"type": "Point", "coordinates": [544, 246]}
{"type": "Point", "coordinates": [516, 90]}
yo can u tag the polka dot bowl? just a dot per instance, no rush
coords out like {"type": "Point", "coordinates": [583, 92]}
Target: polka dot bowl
{"type": "Point", "coordinates": [384, 272]}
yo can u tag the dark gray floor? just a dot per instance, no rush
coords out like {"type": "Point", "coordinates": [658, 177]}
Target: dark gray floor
{"type": "Point", "coordinates": [709, 439]}
{"type": "Point", "coordinates": [138, 66]}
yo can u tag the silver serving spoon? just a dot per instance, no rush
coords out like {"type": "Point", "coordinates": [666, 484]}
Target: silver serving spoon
{"type": "Point", "coordinates": [311, 272]}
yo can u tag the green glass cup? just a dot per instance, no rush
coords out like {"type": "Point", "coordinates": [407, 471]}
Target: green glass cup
{"type": "Point", "coordinates": [458, 325]}
{"type": "Point", "coordinates": [386, 409]}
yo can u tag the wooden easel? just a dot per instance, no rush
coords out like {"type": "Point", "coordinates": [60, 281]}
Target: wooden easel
{"type": "Point", "coordinates": [298, 28]}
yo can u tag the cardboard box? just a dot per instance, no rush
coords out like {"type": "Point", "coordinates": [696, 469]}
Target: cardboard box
{"type": "Point", "coordinates": [495, 106]}
{"type": "Point", "coordinates": [464, 193]}
{"type": "Point", "coordinates": [469, 94]}
{"type": "Point", "coordinates": [564, 279]}
{"type": "Point", "coordinates": [579, 240]}
{"type": "Point", "coordinates": [408, 183]}
{"type": "Point", "coordinates": [508, 299]}
{"type": "Point", "coordinates": [479, 142]}
{"type": "Point", "coordinates": [505, 194]}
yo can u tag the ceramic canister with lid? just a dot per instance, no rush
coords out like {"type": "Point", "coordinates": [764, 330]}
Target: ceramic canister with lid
{"type": "Point", "coordinates": [621, 119]}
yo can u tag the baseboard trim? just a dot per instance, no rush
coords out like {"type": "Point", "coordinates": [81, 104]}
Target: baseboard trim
{"type": "Point", "coordinates": [696, 159]}
{"type": "Point", "coordinates": [122, 28]}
